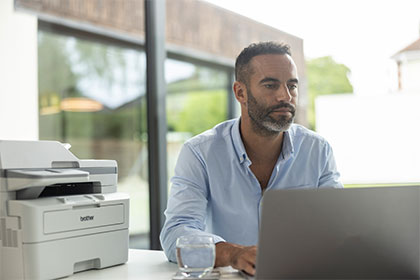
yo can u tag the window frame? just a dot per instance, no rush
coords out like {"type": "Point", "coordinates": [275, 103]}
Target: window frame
{"type": "Point", "coordinates": [107, 37]}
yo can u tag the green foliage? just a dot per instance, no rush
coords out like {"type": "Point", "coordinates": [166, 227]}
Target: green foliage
{"type": "Point", "coordinates": [63, 62]}
{"type": "Point", "coordinates": [201, 110]}
{"type": "Point", "coordinates": [195, 103]}
{"type": "Point", "coordinates": [325, 76]}
{"type": "Point", "coordinates": [51, 53]}
{"type": "Point", "coordinates": [203, 79]}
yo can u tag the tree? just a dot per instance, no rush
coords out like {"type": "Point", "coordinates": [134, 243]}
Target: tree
{"type": "Point", "coordinates": [325, 76]}
{"type": "Point", "coordinates": [201, 111]}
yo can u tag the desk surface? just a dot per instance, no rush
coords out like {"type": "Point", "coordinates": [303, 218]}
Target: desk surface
{"type": "Point", "coordinates": [143, 264]}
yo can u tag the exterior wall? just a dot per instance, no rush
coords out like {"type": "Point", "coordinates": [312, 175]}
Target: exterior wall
{"type": "Point", "coordinates": [191, 25]}
{"type": "Point", "coordinates": [18, 74]}
{"type": "Point", "coordinates": [410, 79]}
{"type": "Point", "coordinates": [375, 138]}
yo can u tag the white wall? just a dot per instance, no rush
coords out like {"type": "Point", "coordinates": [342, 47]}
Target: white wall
{"type": "Point", "coordinates": [376, 139]}
{"type": "Point", "coordinates": [410, 75]}
{"type": "Point", "coordinates": [18, 74]}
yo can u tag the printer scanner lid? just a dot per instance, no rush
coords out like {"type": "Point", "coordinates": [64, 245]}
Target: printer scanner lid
{"type": "Point", "coordinates": [29, 166]}
{"type": "Point", "coordinates": [35, 155]}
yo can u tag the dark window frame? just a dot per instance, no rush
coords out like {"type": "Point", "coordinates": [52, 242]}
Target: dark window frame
{"type": "Point", "coordinates": [195, 57]}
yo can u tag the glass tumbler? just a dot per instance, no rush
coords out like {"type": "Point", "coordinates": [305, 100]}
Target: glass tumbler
{"type": "Point", "coordinates": [195, 255]}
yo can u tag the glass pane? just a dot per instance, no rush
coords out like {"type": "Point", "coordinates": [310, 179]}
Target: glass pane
{"type": "Point", "coordinates": [196, 101]}
{"type": "Point", "coordinates": [92, 95]}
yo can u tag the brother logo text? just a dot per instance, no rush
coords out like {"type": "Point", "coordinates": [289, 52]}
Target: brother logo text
{"type": "Point", "coordinates": [86, 218]}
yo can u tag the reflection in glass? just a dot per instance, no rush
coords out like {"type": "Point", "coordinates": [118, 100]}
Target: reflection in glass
{"type": "Point", "coordinates": [196, 101]}
{"type": "Point", "coordinates": [92, 95]}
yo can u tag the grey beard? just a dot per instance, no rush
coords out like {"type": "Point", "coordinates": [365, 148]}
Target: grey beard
{"type": "Point", "coordinates": [270, 127]}
{"type": "Point", "coordinates": [261, 121]}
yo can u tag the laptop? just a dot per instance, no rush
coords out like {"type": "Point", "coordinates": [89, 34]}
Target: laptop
{"type": "Point", "coordinates": [360, 233]}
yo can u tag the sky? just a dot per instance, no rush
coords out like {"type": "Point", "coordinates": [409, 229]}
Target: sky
{"type": "Point", "coordinates": [363, 35]}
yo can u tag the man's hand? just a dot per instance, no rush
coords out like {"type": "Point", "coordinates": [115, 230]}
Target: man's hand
{"type": "Point", "coordinates": [237, 256]}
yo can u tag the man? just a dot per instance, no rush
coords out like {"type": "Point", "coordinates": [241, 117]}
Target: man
{"type": "Point", "coordinates": [221, 174]}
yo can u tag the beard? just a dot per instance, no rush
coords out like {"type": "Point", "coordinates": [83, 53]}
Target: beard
{"type": "Point", "coordinates": [262, 121]}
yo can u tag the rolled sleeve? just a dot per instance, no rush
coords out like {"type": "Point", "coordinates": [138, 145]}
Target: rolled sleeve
{"type": "Point", "coordinates": [330, 177]}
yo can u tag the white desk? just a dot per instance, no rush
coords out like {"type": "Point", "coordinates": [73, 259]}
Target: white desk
{"type": "Point", "coordinates": [143, 264]}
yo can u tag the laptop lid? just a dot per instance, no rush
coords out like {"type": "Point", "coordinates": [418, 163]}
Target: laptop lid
{"type": "Point", "coordinates": [370, 233]}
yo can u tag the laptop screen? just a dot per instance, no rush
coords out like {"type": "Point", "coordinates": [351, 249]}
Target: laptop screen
{"type": "Point", "coordinates": [340, 233]}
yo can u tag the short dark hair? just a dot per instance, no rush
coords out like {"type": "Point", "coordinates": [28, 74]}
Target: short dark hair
{"type": "Point", "coordinates": [242, 67]}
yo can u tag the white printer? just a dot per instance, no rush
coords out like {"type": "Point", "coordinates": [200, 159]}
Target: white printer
{"type": "Point", "coordinates": [58, 214]}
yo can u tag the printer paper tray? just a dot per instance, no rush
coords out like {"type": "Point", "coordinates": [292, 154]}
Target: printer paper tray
{"type": "Point", "coordinates": [84, 218]}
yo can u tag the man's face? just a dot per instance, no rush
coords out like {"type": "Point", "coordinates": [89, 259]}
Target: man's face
{"type": "Point", "coordinates": [272, 93]}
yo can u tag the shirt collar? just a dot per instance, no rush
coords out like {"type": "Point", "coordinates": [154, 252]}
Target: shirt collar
{"type": "Point", "coordinates": [287, 149]}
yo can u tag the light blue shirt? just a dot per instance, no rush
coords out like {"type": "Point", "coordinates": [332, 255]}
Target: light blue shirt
{"type": "Point", "coordinates": [214, 191]}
